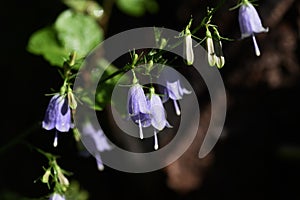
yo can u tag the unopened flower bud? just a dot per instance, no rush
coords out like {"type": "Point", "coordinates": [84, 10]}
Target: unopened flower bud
{"type": "Point", "coordinates": [219, 57]}
{"type": "Point", "coordinates": [62, 179]}
{"type": "Point", "coordinates": [45, 178]}
{"type": "Point", "coordinates": [71, 99]}
{"type": "Point", "coordinates": [163, 43]}
{"type": "Point", "coordinates": [188, 48]}
{"type": "Point", "coordinates": [135, 59]}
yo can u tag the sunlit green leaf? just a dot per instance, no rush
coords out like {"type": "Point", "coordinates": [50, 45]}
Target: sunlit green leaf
{"type": "Point", "coordinates": [137, 8]}
{"type": "Point", "coordinates": [43, 42]}
{"type": "Point", "coordinates": [78, 32]}
{"type": "Point", "coordinates": [86, 6]}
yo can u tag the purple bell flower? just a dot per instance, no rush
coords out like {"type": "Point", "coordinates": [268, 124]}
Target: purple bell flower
{"type": "Point", "coordinates": [58, 115]}
{"type": "Point", "coordinates": [175, 92]}
{"type": "Point", "coordinates": [138, 108]}
{"type": "Point", "coordinates": [157, 116]}
{"type": "Point", "coordinates": [250, 23]}
{"type": "Point", "coordinates": [96, 141]}
{"type": "Point", "coordinates": [56, 196]}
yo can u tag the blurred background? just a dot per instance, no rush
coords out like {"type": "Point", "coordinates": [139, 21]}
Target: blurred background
{"type": "Point", "coordinates": [256, 158]}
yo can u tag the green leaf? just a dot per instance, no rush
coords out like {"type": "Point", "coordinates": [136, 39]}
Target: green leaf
{"type": "Point", "coordinates": [43, 42]}
{"type": "Point", "coordinates": [78, 32]}
{"type": "Point", "coordinates": [137, 8]}
{"type": "Point", "coordinates": [86, 6]}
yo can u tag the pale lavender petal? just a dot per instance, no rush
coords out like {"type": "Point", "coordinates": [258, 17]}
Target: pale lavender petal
{"type": "Point", "coordinates": [185, 91]}
{"type": "Point", "coordinates": [63, 115]}
{"type": "Point", "coordinates": [175, 90]}
{"type": "Point", "coordinates": [137, 102]}
{"type": "Point", "coordinates": [143, 118]}
{"type": "Point", "coordinates": [51, 113]}
{"type": "Point", "coordinates": [249, 21]}
{"type": "Point", "coordinates": [56, 196]}
{"type": "Point", "coordinates": [95, 139]}
{"type": "Point", "coordinates": [157, 112]}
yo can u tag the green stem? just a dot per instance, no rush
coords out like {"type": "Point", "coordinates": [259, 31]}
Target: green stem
{"type": "Point", "coordinates": [203, 23]}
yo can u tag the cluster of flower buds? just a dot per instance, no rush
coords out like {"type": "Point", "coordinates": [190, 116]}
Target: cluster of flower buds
{"type": "Point", "coordinates": [55, 176]}
{"type": "Point", "coordinates": [213, 45]}
{"type": "Point", "coordinates": [214, 48]}
{"type": "Point", "coordinates": [249, 22]}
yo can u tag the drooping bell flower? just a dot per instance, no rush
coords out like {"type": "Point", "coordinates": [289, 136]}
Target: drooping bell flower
{"type": "Point", "coordinates": [96, 142]}
{"type": "Point", "coordinates": [175, 92]}
{"type": "Point", "coordinates": [58, 115]}
{"type": "Point", "coordinates": [157, 115]}
{"type": "Point", "coordinates": [138, 107]}
{"type": "Point", "coordinates": [250, 23]}
{"type": "Point", "coordinates": [56, 196]}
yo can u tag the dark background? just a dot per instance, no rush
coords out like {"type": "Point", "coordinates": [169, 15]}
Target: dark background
{"type": "Point", "coordinates": [258, 157]}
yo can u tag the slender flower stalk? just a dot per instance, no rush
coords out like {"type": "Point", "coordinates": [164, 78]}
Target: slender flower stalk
{"type": "Point", "coordinates": [250, 23]}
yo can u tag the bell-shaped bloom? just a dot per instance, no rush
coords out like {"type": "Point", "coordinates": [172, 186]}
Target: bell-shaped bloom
{"type": "Point", "coordinates": [175, 92]}
{"type": "Point", "coordinates": [56, 196]}
{"type": "Point", "coordinates": [157, 113]}
{"type": "Point", "coordinates": [138, 108]}
{"type": "Point", "coordinates": [250, 23]}
{"type": "Point", "coordinates": [157, 116]}
{"type": "Point", "coordinates": [96, 142]}
{"type": "Point", "coordinates": [58, 114]}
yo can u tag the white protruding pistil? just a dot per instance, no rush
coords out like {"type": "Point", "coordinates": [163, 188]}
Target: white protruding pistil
{"type": "Point", "coordinates": [257, 51]}
{"type": "Point", "coordinates": [155, 140]}
{"type": "Point", "coordinates": [176, 108]}
{"type": "Point", "coordinates": [141, 129]}
{"type": "Point", "coordinates": [55, 140]}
